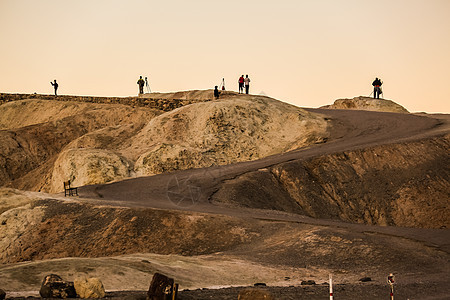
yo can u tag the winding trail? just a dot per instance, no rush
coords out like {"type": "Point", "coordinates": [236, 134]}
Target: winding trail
{"type": "Point", "coordinates": [190, 190]}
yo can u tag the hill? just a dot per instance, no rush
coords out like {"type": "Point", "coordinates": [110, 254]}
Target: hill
{"type": "Point", "coordinates": [97, 143]}
{"type": "Point", "coordinates": [241, 190]}
{"type": "Point", "coordinates": [367, 103]}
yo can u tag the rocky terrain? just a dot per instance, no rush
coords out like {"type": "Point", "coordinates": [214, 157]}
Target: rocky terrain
{"type": "Point", "coordinates": [90, 143]}
{"type": "Point", "coordinates": [367, 103]}
{"type": "Point", "coordinates": [241, 190]}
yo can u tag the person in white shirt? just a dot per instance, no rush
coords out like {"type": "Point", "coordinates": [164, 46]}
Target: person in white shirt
{"type": "Point", "coordinates": [247, 83]}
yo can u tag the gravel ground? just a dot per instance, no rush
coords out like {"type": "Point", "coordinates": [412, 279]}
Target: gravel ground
{"type": "Point", "coordinates": [369, 290]}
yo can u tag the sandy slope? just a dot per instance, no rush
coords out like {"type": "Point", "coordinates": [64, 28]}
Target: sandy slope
{"type": "Point", "coordinates": [397, 152]}
{"type": "Point", "coordinates": [97, 143]}
{"type": "Point", "coordinates": [233, 129]}
{"type": "Point", "coordinates": [39, 130]}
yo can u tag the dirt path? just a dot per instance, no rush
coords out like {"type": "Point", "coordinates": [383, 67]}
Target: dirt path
{"type": "Point", "coordinates": [191, 190]}
{"type": "Point", "coordinates": [411, 250]}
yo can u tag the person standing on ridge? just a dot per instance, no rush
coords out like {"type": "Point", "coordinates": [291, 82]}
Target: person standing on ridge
{"type": "Point", "coordinates": [241, 84]}
{"type": "Point", "coordinates": [55, 86]}
{"type": "Point", "coordinates": [247, 83]}
{"type": "Point", "coordinates": [216, 92]}
{"type": "Point", "coordinates": [377, 88]}
{"type": "Point", "coordinates": [141, 83]}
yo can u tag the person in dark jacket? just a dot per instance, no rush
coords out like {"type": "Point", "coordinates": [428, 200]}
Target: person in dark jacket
{"type": "Point", "coordinates": [141, 84]}
{"type": "Point", "coordinates": [55, 86]}
{"type": "Point", "coordinates": [377, 88]}
{"type": "Point", "coordinates": [216, 92]}
{"type": "Point", "coordinates": [247, 84]}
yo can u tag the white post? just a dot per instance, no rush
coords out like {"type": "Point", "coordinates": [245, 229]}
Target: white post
{"type": "Point", "coordinates": [331, 287]}
{"type": "Point", "coordinates": [391, 282]}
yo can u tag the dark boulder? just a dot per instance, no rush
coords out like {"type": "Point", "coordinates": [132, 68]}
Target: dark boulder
{"type": "Point", "coordinates": [2, 294]}
{"type": "Point", "coordinates": [54, 286]}
{"type": "Point", "coordinates": [161, 287]}
{"type": "Point", "coordinates": [308, 282]}
{"type": "Point", "coordinates": [365, 279]}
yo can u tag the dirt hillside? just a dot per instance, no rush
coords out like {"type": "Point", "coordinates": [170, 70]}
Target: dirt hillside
{"type": "Point", "coordinates": [247, 189]}
{"type": "Point", "coordinates": [402, 184]}
{"type": "Point", "coordinates": [49, 142]}
{"type": "Point", "coordinates": [233, 129]}
{"type": "Point", "coordinates": [127, 245]}
{"type": "Point", "coordinates": [30, 145]}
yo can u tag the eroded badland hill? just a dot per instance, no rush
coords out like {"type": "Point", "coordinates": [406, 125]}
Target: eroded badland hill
{"type": "Point", "coordinates": [224, 192]}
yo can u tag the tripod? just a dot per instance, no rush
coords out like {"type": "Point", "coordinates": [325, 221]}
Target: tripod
{"type": "Point", "coordinates": [222, 84]}
{"type": "Point", "coordinates": [380, 92]}
{"type": "Point", "coordinates": [147, 86]}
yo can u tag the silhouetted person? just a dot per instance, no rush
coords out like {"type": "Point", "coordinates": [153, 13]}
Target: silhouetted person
{"type": "Point", "coordinates": [241, 84]}
{"type": "Point", "coordinates": [247, 84]}
{"type": "Point", "coordinates": [377, 88]}
{"type": "Point", "coordinates": [216, 92]}
{"type": "Point", "coordinates": [141, 84]}
{"type": "Point", "coordinates": [55, 86]}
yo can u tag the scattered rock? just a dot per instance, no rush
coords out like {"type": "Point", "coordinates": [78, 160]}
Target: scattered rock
{"type": "Point", "coordinates": [89, 288]}
{"type": "Point", "coordinates": [365, 279]}
{"type": "Point", "coordinates": [160, 287]}
{"type": "Point", "coordinates": [54, 286]}
{"type": "Point", "coordinates": [308, 282]}
{"type": "Point", "coordinates": [2, 294]}
{"type": "Point", "coordinates": [260, 284]}
{"type": "Point", "coordinates": [255, 294]}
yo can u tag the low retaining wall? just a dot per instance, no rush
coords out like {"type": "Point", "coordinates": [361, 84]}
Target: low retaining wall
{"type": "Point", "coordinates": [161, 104]}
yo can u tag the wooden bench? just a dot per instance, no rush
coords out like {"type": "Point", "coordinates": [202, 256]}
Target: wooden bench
{"type": "Point", "coordinates": [71, 191]}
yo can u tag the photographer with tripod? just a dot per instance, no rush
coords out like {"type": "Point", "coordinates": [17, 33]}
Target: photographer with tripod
{"type": "Point", "coordinates": [377, 88]}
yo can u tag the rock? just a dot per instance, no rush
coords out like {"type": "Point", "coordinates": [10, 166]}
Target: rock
{"type": "Point", "coordinates": [88, 166]}
{"type": "Point", "coordinates": [365, 279]}
{"type": "Point", "coordinates": [260, 284]}
{"type": "Point", "coordinates": [255, 294]}
{"type": "Point", "coordinates": [89, 288]}
{"type": "Point", "coordinates": [2, 294]}
{"type": "Point", "coordinates": [160, 287]}
{"type": "Point", "coordinates": [308, 282]}
{"type": "Point", "coordinates": [367, 103]}
{"type": "Point", "coordinates": [54, 287]}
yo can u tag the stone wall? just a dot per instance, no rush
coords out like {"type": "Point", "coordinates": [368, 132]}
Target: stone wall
{"type": "Point", "coordinates": [161, 104]}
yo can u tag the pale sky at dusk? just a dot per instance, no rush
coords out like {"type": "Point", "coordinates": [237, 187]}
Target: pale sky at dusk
{"type": "Point", "coordinates": [305, 52]}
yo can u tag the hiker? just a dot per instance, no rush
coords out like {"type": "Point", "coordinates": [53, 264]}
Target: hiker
{"type": "Point", "coordinates": [241, 84]}
{"type": "Point", "coordinates": [141, 83]}
{"type": "Point", "coordinates": [247, 83]}
{"type": "Point", "coordinates": [55, 86]}
{"type": "Point", "coordinates": [377, 88]}
{"type": "Point", "coordinates": [216, 92]}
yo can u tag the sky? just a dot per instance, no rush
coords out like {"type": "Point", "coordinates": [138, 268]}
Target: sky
{"type": "Point", "coordinates": [304, 52]}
